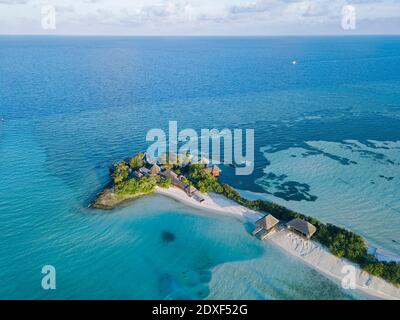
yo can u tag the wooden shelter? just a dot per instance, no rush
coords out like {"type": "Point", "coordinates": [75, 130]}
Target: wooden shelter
{"type": "Point", "coordinates": [302, 228]}
{"type": "Point", "coordinates": [265, 226]}
{"type": "Point", "coordinates": [170, 174]}
{"type": "Point", "coordinates": [155, 169]}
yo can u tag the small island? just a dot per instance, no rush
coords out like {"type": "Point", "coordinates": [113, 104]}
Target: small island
{"type": "Point", "coordinates": [140, 176]}
{"type": "Point", "coordinates": [326, 247]}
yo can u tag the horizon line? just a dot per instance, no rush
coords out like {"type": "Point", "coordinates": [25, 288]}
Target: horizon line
{"type": "Point", "coordinates": [199, 35]}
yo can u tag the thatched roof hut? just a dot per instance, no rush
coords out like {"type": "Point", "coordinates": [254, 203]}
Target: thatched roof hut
{"type": "Point", "coordinates": [302, 228]}
{"type": "Point", "coordinates": [170, 174]}
{"type": "Point", "coordinates": [267, 222]}
{"type": "Point", "coordinates": [265, 226]}
{"type": "Point", "coordinates": [155, 169]}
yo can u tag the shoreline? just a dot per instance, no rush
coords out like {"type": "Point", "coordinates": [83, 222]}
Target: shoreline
{"type": "Point", "coordinates": [323, 261]}
{"type": "Point", "coordinates": [313, 254]}
{"type": "Point", "coordinates": [379, 252]}
{"type": "Point", "coordinates": [212, 202]}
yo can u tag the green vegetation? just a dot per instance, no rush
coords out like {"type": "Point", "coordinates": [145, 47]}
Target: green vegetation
{"type": "Point", "coordinates": [125, 185]}
{"type": "Point", "coordinates": [341, 242]}
{"type": "Point", "coordinates": [164, 183]}
{"type": "Point", "coordinates": [120, 172]}
{"type": "Point", "coordinates": [202, 180]}
{"type": "Point", "coordinates": [168, 166]}
{"type": "Point", "coordinates": [144, 185]}
{"type": "Point", "coordinates": [186, 181]}
{"type": "Point", "coordinates": [386, 270]}
{"type": "Point", "coordinates": [137, 161]}
{"type": "Point", "coordinates": [232, 194]}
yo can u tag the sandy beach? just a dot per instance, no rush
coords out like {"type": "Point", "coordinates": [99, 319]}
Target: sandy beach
{"type": "Point", "coordinates": [310, 252]}
{"type": "Point", "coordinates": [319, 258]}
{"type": "Point", "coordinates": [214, 203]}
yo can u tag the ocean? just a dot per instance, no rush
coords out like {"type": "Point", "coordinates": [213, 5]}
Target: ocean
{"type": "Point", "coordinates": [327, 143]}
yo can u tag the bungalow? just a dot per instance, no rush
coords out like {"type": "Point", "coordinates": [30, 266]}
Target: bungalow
{"type": "Point", "coordinates": [169, 174]}
{"type": "Point", "coordinates": [302, 228]}
{"type": "Point", "coordinates": [265, 226]}
{"type": "Point", "coordinates": [155, 169]}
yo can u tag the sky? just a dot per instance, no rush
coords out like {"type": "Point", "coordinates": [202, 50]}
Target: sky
{"type": "Point", "coordinates": [200, 17]}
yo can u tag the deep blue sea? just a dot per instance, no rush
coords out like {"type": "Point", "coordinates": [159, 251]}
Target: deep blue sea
{"type": "Point", "coordinates": [327, 137]}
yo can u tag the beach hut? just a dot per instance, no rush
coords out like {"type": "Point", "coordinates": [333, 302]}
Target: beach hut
{"type": "Point", "coordinates": [155, 169]}
{"type": "Point", "coordinates": [265, 226]}
{"type": "Point", "coordinates": [170, 174]}
{"type": "Point", "coordinates": [302, 228]}
{"type": "Point", "coordinates": [215, 171]}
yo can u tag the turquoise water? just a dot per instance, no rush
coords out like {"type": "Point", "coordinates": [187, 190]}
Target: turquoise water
{"type": "Point", "coordinates": [329, 127]}
{"type": "Point", "coordinates": [125, 254]}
